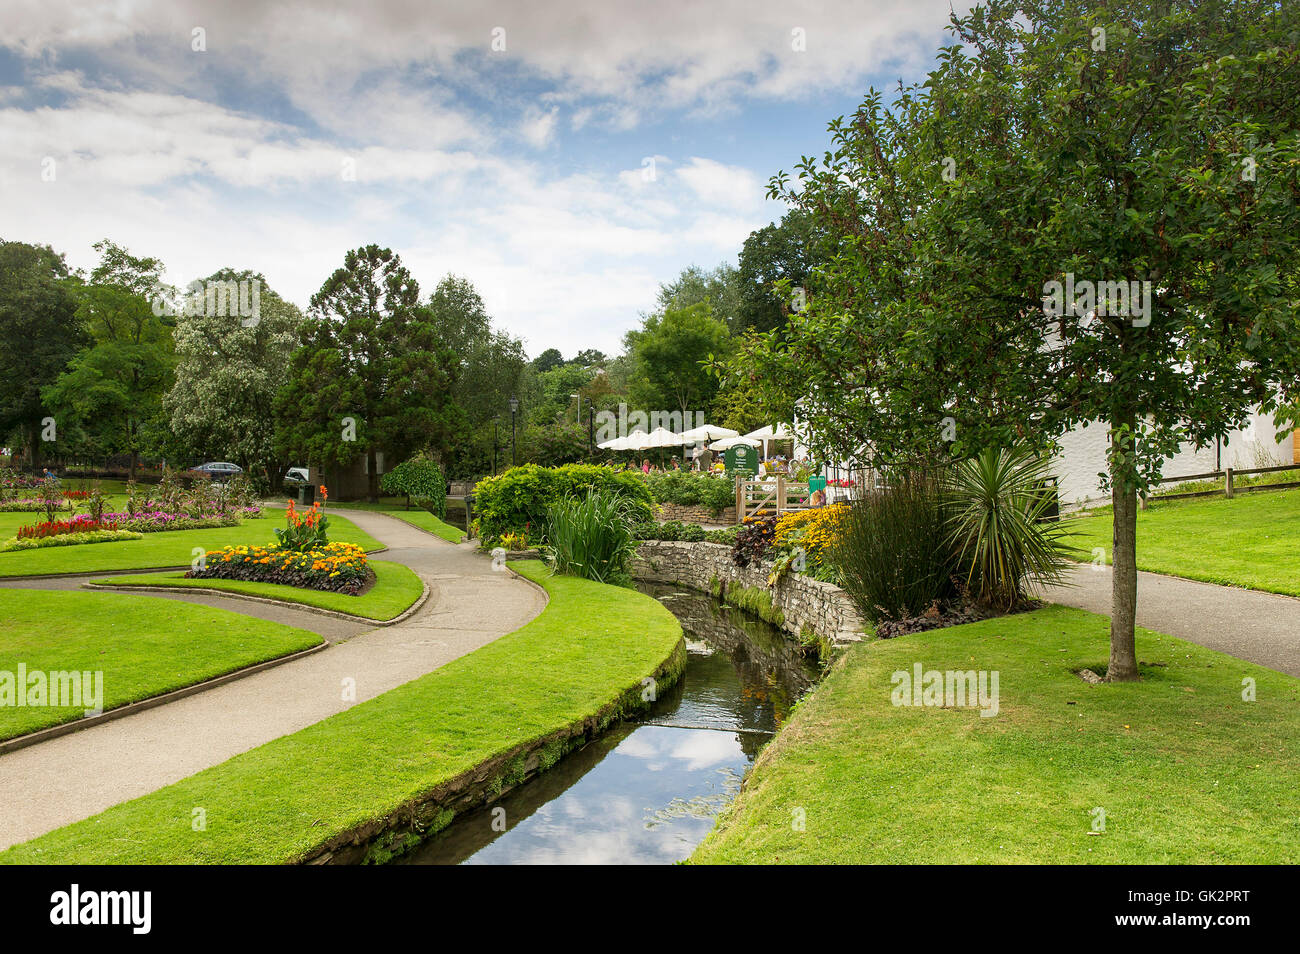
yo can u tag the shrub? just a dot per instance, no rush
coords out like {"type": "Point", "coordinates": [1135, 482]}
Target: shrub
{"type": "Point", "coordinates": [591, 537]}
{"type": "Point", "coordinates": [690, 489]}
{"type": "Point", "coordinates": [337, 567]}
{"type": "Point", "coordinates": [727, 535]}
{"type": "Point", "coordinates": [998, 503]}
{"type": "Point", "coordinates": [518, 499]}
{"type": "Point", "coordinates": [893, 551]}
{"type": "Point", "coordinates": [754, 538]}
{"type": "Point", "coordinates": [812, 534]}
{"type": "Point", "coordinates": [419, 479]}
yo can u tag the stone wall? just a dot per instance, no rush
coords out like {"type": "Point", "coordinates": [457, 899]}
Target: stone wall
{"type": "Point", "coordinates": [800, 602]}
{"type": "Point", "coordinates": [695, 514]}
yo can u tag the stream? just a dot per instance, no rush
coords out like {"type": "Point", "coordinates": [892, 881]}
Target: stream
{"type": "Point", "coordinates": [647, 791]}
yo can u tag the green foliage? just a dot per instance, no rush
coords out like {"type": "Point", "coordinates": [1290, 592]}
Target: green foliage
{"type": "Point", "coordinates": [669, 353]}
{"type": "Point", "coordinates": [419, 478]}
{"type": "Point", "coordinates": [518, 499]}
{"type": "Point", "coordinates": [997, 518]}
{"type": "Point", "coordinates": [777, 253]}
{"type": "Point", "coordinates": [369, 352]}
{"type": "Point", "coordinates": [69, 539]}
{"type": "Point", "coordinates": [39, 334]}
{"type": "Point", "coordinates": [893, 550]}
{"type": "Point", "coordinates": [691, 489]}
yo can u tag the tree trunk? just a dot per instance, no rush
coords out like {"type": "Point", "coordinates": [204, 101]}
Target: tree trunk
{"type": "Point", "coordinates": [1123, 606]}
{"type": "Point", "coordinates": [34, 443]}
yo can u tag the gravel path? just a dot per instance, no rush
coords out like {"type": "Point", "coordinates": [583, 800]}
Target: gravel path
{"type": "Point", "coordinates": [77, 775]}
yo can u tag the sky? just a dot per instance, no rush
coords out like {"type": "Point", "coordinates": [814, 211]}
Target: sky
{"type": "Point", "coordinates": [566, 158]}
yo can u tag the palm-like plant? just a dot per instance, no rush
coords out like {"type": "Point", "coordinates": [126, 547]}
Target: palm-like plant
{"type": "Point", "coordinates": [997, 505]}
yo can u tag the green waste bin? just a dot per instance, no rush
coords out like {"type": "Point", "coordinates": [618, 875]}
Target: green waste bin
{"type": "Point", "coordinates": [307, 494]}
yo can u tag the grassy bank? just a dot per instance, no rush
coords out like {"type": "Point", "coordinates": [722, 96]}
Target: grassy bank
{"type": "Point", "coordinates": [396, 588]}
{"type": "Point", "coordinates": [1184, 769]}
{"type": "Point", "coordinates": [280, 801]}
{"type": "Point", "coordinates": [144, 646]}
{"type": "Point", "coordinates": [1247, 541]}
{"type": "Point", "coordinates": [168, 548]}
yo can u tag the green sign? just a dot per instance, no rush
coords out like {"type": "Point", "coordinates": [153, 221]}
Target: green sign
{"type": "Point", "coordinates": [741, 460]}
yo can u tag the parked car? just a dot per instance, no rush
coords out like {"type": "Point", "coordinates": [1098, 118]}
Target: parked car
{"type": "Point", "coordinates": [296, 477]}
{"type": "Point", "coordinates": [218, 471]}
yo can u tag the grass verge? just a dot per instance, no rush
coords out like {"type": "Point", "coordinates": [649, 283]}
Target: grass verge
{"type": "Point", "coordinates": [1248, 541]}
{"type": "Point", "coordinates": [278, 802]}
{"type": "Point", "coordinates": [396, 588]}
{"type": "Point", "coordinates": [1184, 769]}
{"type": "Point", "coordinates": [415, 517]}
{"type": "Point", "coordinates": [168, 548]}
{"type": "Point", "coordinates": [144, 646]}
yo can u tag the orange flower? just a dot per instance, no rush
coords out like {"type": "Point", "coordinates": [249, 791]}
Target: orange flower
{"type": "Point", "coordinates": [324, 492]}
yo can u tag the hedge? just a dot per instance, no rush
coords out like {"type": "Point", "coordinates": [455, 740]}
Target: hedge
{"type": "Point", "coordinates": [516, 501]}
{"type": "Point", "coordinates": [692, 489]}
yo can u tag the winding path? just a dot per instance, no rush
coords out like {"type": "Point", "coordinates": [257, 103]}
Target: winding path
{"type": "Point", "coordinates": [74, 776]}
{"type": "Point", "coordinates": [1259, 627]}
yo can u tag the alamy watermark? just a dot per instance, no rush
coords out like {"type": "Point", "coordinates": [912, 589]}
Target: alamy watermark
{"type": "Point", "coordinates": [948, 689]}
{"type": "Point", "coordinates": [65, 689]}
{"type": "Point", "coordinates": [1118, 299]}
{"type": "Point", "coordinates": [215, 299]}
{"type": "Point", "coordinates": [610, 425]}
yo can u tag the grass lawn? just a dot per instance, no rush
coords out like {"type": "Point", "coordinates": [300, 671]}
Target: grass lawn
{"type": "Point", "coordinates": [277, 802]}
{"type": "Point", "coordinates": [1186, 771]}
{"type": "Point", "coordinates": [415, 516]}
{"type": "Point", "coordinates": [396, 588]}
{"type": "Point", "coordinates": [168, 548]}
{"type": "Point", "coordinates": [143, 645]}
{"type": "Point", "coordinates": [1247, 541]}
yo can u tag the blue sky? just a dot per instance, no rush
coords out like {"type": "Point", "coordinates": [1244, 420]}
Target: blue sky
{"type": "Point", "coordinates": [300, 130]}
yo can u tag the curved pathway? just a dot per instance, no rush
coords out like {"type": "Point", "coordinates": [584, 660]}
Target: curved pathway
{"type": "Point", "coordinates": [1259, 627]}
{"type": "Point", "coordinates": [74, 776]}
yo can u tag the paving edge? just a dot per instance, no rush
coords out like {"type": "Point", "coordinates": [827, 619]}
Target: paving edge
{"type": "Point", "coordinates": [121, 712]}
{"type": "Point", "coordinates": [284, 604]}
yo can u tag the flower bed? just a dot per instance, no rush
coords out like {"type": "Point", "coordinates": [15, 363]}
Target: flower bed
{"type": "Point", "coordinates": [156, 521]}
{"type": "Point", "coordinates": [53, 528]}
{"type": "Point", "coordinates": [69, 539]}
{"type": "Point", "coordinates": [336, 567]}
{"type": "Point", "coordinates": [28, 505]}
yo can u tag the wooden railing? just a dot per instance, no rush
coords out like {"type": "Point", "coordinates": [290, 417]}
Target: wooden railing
{"type": "Point", "coordinates": [1228, 475]}
{"type": "Point", "coordinates": [777, 494]}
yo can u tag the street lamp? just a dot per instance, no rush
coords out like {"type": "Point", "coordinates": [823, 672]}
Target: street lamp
{"type": "Point", "coordinates": [514, 406]}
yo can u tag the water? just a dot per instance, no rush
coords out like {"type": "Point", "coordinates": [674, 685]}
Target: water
{"type": "Point", "coordinates": [646, 792]}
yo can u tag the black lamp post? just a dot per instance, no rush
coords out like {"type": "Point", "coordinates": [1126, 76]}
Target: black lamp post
{"type": "Point", "coordinates": [514, 406]}
{"type": "Point", "coordinates": [591, 429]}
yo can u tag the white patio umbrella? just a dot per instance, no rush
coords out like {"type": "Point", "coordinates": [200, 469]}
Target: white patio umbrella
{"type": "Point", "coordinates": [778, 432]}
{"type": "Point", "coordinates": [662, 437]}
{"type": "Point", "coordinates": [627, 442]}
{"type": "Point", "coordinates": [707, 432]}
{"type": "Point", "coordinates": [732, 442]}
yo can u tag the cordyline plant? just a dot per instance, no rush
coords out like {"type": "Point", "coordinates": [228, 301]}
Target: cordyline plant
{"type": "Point", "coordinates": [1059, 141]}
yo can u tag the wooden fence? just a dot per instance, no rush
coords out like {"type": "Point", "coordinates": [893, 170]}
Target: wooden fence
{"type": "Point", "coordinates": [776, 494]}
{"type": "Point", "coordinates": [1228, 475]}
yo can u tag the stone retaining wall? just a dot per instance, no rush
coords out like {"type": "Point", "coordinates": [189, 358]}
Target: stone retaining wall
{"type": "Point", "coordinates": [694, 513]}
{"type": "Point", "coordinates": [800, 602]}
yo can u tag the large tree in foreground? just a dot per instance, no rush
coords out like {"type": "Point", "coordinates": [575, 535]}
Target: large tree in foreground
{"type": "Point", "coordinates": [371, 373]}
{"type": "Point", "coordinates": [981, 226]}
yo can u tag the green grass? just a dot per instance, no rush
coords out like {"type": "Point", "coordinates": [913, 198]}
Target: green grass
{"type": "Point", "coordinates": [415, 517]}
{"type": "Point", "coordinates": [168, 548]}
{"type": "Point", "coordinates": [396, 588]}
{"type": "Point", "coordinates": [1186, 771]}
{"type": "Point", "coordinates": [277, 802]}
{"type": "Point", "coordinates": [143, 645]}
{"type": "Point", "coordinates": [1248, 541]}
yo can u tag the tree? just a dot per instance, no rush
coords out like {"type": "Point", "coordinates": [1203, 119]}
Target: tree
{"type": "Point", "coordinates": [979, 228]}
{"type": "Point", "coordinates": [720, 288]}
{"type": "Point", "coordinates": [370, 373]}
{"type": "Point", "coordinates": [670, 351]}
{"type": "Point", "coordinates": [421, 478]}
{"type": "Point", "coordinates": [39, 334]}
{"type": "Point", "coordinates": [489, 370]}
{"type": "Point", "coordinates": [229, 370]}
{"type": "Point", "coordinates": [113, 387]}
{"type": "Point", "coordinates": [776, 253]}
{"type": "Point", "coordinates": [548, 360]}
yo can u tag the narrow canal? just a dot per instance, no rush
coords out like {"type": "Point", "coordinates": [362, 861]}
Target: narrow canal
{"type": "Point", "coordinates": [647, 791]}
